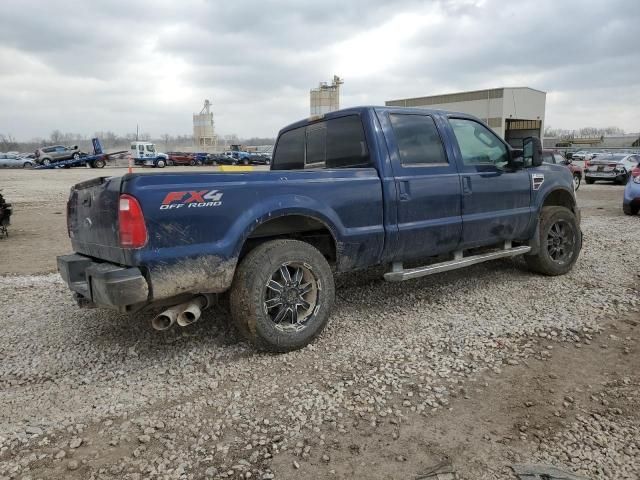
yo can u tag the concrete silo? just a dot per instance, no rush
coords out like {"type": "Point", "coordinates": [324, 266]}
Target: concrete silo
{"type": "Point", "coordinates": [326, 98]}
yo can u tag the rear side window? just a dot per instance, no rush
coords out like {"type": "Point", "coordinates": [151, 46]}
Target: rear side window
{"type": "Point", "coordinates": [418, 140]}
{"type": "Point", "coordinates": [346, 144]}
{"type": "Point", "coordinates": [335, 143]}
{"type": "Point", "coordinates": [289, 153]}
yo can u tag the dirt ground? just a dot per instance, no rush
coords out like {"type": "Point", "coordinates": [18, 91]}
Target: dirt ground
{"type": "Point", "coordinates": [506, 416]}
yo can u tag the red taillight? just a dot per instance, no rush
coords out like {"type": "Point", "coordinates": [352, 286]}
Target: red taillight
{"type": "Point", "coordinates": [133, 231]}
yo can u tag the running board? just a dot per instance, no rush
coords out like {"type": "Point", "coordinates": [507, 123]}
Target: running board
{"type": "Point", "coordinates": [398, 274]}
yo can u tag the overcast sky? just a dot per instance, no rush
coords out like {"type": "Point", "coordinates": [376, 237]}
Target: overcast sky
{"type": "Point", "coordinates": [86, 66]}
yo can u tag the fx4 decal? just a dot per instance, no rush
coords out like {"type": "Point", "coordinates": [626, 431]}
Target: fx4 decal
{"type": "Point", "coordinates": [192, 199]}
{"type": "Point", "coordinates": [537, 179]}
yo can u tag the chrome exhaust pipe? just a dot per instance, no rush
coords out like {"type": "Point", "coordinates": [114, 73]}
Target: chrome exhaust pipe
{"type": "Point", "coordinates": [166, 319]}
{"type": "Point", "coordinates": [193, 311]}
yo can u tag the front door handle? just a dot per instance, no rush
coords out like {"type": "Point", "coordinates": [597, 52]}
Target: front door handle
{"type": "Point", "coordinates": [466, 185]}
{"type": "Point", "coordinates": [404, 190]}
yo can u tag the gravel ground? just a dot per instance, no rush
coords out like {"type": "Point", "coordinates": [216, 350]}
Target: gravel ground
{"type": "Point", "coordinates": [93, 394]}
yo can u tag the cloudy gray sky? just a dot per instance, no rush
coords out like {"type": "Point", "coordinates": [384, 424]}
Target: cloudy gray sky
{"type": "Point", "coordinates": [82, 66]}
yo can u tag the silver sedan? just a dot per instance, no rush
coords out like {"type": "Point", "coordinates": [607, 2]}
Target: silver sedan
{"type": "Point", "coordinates": [8, 160]}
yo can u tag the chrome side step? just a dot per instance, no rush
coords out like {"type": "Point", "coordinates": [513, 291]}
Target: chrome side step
{"type": "Point", "coordinates": [398, 274]}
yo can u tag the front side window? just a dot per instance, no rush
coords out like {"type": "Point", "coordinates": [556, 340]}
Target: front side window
{"type": "Point", "coordinates": [478, 145]}
{"type": "Point", "coordinates": [289, 154]}
{"type": "Point", "coordinates": [418, 140]}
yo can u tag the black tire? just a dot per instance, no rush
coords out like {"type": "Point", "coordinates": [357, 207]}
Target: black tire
{"type": "Point", "coordinates": [46, 162]}
{"type": "Point", "coordinates": [192, 162]}
{"type": "Point", "coordinates": [556, 257]}
{"type": "Point", "coordinates": [623, 179]}
{"type": "Point", "coordinates": [629, 210]}
{"type": "Point", "coordinates": [27, 165]}
{"type": "Point", "coordinates": [170, 163]}
{"type": "Point", "coordinates": [590, 181]}
{"type": "Point", "coordinates": [245, 161]}
{"type": "Point", "coordinates": [76, 156]}
{"type": "Point", "coordinates": [98, 164]}
{"type": "Point", "coordinates": [577, 179]}
{"type": "Point", "coordinates": [250, 295]}
{"type": "Point", "coordinates": [160, 163]}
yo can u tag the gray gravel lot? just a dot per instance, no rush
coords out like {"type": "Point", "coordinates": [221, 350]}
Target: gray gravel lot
{"type": "Point", "coordinates": [94, 394]}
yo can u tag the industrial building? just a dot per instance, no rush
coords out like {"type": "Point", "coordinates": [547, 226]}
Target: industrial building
{"type": "Point", "coordinates": [204, 136]}
{"type": "Point", "coordinates": [513, 113]}
{"type": "Point", "coordinates": [326, 98]}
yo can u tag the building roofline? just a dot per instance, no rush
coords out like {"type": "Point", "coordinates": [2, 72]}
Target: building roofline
{"type": "Point", "coordinates": [466, 91]}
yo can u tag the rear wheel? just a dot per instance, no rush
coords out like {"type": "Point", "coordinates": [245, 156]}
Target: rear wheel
{"type": "Point", "coordinates": [560, 242]}
{"type": "Point", "coordinates": [576, 182]}
{"type": "Point", "coordinates": [245, 161]}
{"type": "Point", "coordinates": [629, 210]}
{"type": "Point", "coordinates": [46, 162]}
{"type": "Point", "coordinates": [282, 295]}
{"type": "Point", "coordinates": [98, 163]}
{"type": "Point", "coordinates": [192, 162]}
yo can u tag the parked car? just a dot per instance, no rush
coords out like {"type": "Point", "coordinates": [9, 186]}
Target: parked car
{"type": "Point", "coordinates": [13, 161]}
{"type": "Point", "coordinates": [555, 158]}
{"type": "Point", "coordinates": [353, 189]}
{"type": "Point", "coordinates": [631, 200]}
{"type": "Point", "coordinates": [56, 153]}
{"type": "Point", "coordinates": [259, 159]}
{"type": "Point", "coordinates": [614, 167]}
{"type": "Point", "coordinates": [180, 158]}
{"type": "Point", "coordinates": [580, 155]}
{"type": "Point", "coordinates": [220, 159]}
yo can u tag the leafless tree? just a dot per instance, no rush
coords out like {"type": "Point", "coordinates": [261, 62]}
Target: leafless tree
{"type": "Point", "coordinates": [7, 142]}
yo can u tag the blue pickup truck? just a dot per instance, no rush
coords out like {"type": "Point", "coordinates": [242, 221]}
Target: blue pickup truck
{"type": "Point", "coordinates": [420, 191]}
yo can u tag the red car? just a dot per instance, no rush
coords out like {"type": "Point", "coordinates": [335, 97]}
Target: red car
{"type": "Point", "coordinates": [181, 158]}
{"type": "Point", "coordinates": [551, 156]}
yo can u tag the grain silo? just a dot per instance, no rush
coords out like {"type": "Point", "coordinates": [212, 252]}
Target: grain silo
{"type": "Point", "coordinates": [326, 98]}
{"type": "Point", "coordinates": [204, 136]}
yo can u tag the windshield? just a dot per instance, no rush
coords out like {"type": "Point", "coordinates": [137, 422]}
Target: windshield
{"type": "Point", "coordinates": [151, 148]}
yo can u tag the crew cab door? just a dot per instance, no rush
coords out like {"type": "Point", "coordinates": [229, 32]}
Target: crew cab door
{"type": "Point", "coordinates": [496, 198]}
{"type": "Point", "coordinates": [427, 185]}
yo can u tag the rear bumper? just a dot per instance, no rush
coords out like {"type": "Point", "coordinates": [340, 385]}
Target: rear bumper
{"type": "Point", "coordinates": [103, 284]}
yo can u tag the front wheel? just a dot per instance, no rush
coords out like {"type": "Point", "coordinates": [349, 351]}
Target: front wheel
{"type": "Point", "coordinates": [576, 182]}
{"type": "Point", "coordinates": [282, 295]}
{"type": "Point", "coordinates": [27, 165]}
{"type": "Point", "coordinates": [160, 164]}
{"type": "Point", "coordinates": [560, 242]}
{"type": "Point", "coordinates": [76, 156]}
{"type": "Point", "coordinates": [46, 162]}
{"type": "Point", "coordinates": [98, 164]}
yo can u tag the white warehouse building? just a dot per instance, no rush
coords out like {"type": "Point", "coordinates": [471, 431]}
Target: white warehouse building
{"type": "Point", "coordinates": [512, 112]}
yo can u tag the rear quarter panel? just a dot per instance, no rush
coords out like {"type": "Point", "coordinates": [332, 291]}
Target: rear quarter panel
{"type": "Point", "coordinates": [194, 245]}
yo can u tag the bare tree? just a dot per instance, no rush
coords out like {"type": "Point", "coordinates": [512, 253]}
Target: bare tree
{"type": "Point", "coordinates": [56, 136]}
{"type": "Point", "coordinates": [7, 142]}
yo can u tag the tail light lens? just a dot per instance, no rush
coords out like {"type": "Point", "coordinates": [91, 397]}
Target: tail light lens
{"type": "Point", "coordinates": [635, 175]}
{"type": "Point", "coordinates": [133, 231]}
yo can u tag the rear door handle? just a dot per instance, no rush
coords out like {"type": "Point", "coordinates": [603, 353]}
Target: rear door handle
{"type": "Point", "coordinates": [404, 190]}
{"type": "Point", "coordinates": [466, 185]}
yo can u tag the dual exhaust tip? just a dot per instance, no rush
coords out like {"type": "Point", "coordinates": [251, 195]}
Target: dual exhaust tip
{"type": "Point", "coordinates": [183, 314]}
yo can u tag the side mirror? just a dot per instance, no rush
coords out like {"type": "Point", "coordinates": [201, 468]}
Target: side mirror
{"type": "Point", "coordinates": [532, 151]}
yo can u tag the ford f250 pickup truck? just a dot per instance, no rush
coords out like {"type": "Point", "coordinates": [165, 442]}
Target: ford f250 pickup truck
{"type": "Point", "coordinates": [422, 191]}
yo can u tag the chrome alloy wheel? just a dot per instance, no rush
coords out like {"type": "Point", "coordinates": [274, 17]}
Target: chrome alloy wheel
{"type": "Point", "coordinates": [560, 242]}
{"type": "Point", "coordinates": [291, 296]}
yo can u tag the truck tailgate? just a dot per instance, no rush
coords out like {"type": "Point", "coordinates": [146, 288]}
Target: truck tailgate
{"type": "Point", "coordinates": [92, 216]}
